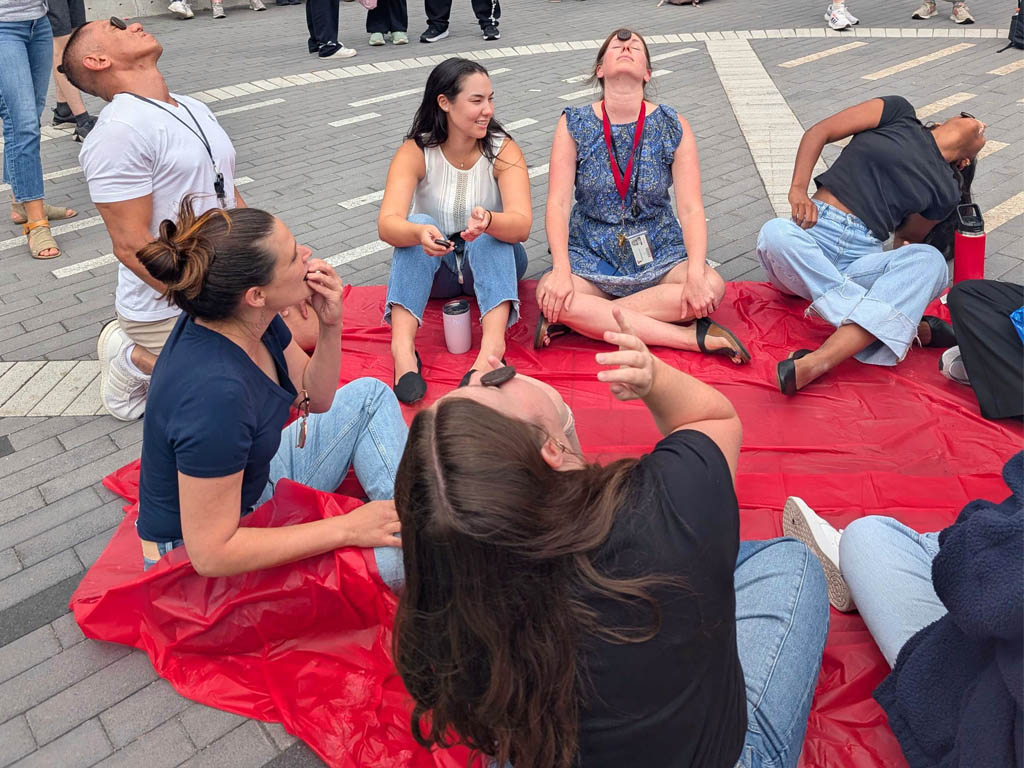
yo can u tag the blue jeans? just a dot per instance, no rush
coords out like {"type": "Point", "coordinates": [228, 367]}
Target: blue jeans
{"type": "Point", "coordinates": [26, 55]}
{"type": "Point", "coordinates": [491, 271]}
{"type": "Point", "coordinates": [888, 567]}
{"type": "Point", "coordinates": [364, 429]}
{"type": "Point", "coordinates": [840, 267]}
{"type": "Point", "coordinates": [781, 624]}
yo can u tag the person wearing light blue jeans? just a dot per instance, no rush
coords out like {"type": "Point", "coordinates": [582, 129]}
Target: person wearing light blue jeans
{"type": "Point", "coordinates": [363, 429]}
{"type": "Point", "coordinates": [895, 177]}
{"type": "Point", "coordinates": [26, 55]}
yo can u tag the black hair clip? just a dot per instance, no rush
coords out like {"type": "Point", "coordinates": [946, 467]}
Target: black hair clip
{"type": "Point", "coordinates": [498, 376]}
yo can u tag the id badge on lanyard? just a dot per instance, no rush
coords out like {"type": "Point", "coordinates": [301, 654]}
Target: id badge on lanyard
{"type": "Point", "coordinates": [638, 242]}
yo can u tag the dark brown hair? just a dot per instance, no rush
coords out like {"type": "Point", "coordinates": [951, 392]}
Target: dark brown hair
{"type": "Point", "coordinates": [599, 81]}
{"type": "Point", "coordinates": [209, 261]}
{"type": "Point", "coordinates": [497, 548]}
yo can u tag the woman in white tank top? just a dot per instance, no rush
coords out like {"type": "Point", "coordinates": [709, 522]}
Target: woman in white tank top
{"type": "Point", "coordinates": [469, 192]}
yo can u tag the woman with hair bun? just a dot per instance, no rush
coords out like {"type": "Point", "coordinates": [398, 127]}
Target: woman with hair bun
{"type": "Point", "coordinates": [467, 183]}
{"type": "Point", "coordinates": [223, 388]}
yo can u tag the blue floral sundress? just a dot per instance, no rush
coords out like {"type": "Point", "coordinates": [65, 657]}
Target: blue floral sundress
{"type": "Point", "coordinates": [595, 222]}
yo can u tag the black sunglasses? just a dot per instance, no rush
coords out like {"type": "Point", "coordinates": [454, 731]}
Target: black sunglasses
{"type": "Point", "coordinates": [118, 22]}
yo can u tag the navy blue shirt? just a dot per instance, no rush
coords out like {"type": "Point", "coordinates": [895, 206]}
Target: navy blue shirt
{"type": "Point", "coordinates": [210, 412]}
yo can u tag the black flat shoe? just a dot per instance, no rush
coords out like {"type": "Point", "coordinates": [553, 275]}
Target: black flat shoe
{"type": "Point", "coordinates": [547, 331]}
{"type": "Point", "coordinates": [708, 327]}
{"type": "Point", "coordinates": [943, 335]}
{"type": "Point", "coordinates": [411, 387]}
{"type": "Point", "coordinates": [786, 372]}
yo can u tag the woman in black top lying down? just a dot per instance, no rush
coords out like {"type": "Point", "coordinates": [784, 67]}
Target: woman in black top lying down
{"type": "Point", "coordinates": [895, 176]}
{"type": "Point", "coordinates": [560, 613]}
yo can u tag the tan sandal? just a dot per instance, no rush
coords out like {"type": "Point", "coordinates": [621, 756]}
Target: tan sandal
{"type": "Point", "coordinates": [51, 212]}
{"type": "Point", "coordinates": [40, 239]}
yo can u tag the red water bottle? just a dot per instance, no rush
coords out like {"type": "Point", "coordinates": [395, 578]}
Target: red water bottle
{"type": "Point", "coordinates": [969, 244]}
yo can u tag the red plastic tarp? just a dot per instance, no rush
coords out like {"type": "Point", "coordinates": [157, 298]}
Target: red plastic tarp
{"type": "Point", "coordinates": [308, 644]}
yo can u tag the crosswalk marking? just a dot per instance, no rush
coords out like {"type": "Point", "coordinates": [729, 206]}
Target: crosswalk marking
{"type": "Point", "coordinates": [821, 55]}
{"type": "Point", "coordinates": [1008, 68]}
{"type": "Point", "coordinates": [911, 63]}
{"type": "Point", "coordinates": [353, 119]}
{"type": "Point", "coordinates": [994, 217]}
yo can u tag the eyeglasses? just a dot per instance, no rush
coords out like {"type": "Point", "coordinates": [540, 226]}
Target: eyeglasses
{"type": "Point", "coordinates": [118, 22]}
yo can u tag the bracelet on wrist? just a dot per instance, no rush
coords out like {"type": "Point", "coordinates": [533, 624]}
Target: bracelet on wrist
{"type": "Point", "coordinates": [490, 218]}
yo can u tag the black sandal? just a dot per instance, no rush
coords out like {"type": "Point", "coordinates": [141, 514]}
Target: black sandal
{"type": "Point", "coordinates": [411, 387]}
{"type": "Point", "coordinates": [943, 335]}
{"type": "Point", "coordinates": [549, 331]}
{"type": "Point", "coordinates": [708, 327]}
{"type": "Point", "coordinates": [785, 371]}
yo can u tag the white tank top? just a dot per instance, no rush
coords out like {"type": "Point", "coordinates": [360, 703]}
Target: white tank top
{"type": "Point", "coordinates": [448, 195]}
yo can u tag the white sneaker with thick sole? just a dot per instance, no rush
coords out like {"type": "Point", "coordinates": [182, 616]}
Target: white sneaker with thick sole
{"type": "Point", "coordinates": [842, 9]}
{"type": "Point", "coordinates": [837, 20]}
{"type": "Point", "coordinates": [951, 365]}
{"type": "Point", "coordinates": [122, 389]}
{"type": "Point", "coordinates": [961, 15]}
{"type": "Point", "coordinates": [800, 522]}
{"type": "Point", "coordinates": [218, 10]}
{"type": "Point", "coordinates": [180, 9]}
{"type": "Point", "coordinates": [926, 11]}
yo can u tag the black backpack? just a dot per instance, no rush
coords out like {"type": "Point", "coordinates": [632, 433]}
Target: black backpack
{"type": "Point", "coordinates": [1016, 36]}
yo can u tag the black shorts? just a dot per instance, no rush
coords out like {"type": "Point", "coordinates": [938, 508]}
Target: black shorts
{"type": "Point", "coordinates": [65, 16]}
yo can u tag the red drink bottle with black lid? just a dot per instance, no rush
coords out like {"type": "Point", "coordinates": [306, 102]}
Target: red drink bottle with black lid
{"type": "Point", "coordinates": [969, 244]}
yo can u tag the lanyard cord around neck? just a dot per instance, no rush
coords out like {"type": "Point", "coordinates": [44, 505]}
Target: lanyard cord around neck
{"type": "Point", "coordinates": [218, 183]}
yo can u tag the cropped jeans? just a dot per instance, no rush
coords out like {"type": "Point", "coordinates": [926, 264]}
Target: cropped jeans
{"type": "Point", "coordinates": [888, 568]}
{"type": "Point", "coordinates": [363, 429]}
{"type": "Point", "coordinates": [26, 55]}
{"type": "Point", "coordinates": [840, 267]}
{"type": "Point", "coordinates": [491, 271]}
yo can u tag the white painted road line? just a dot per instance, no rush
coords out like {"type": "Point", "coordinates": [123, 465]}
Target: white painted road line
{"type": "Point", "coordinates": [994, 217]}
{"type": "Point", "coordinates": [538, 170]}
{"type": "Point", "coordinates": [769, 126]}
{"type": "Point", "coordinates": [515, 125]}
{"type": "Point", "coordinates": [938, 106]}
{"type": "Point", "coordinates": [49, 176]}
{"type": "Point", "coordinates": [991, 146]}
{"type": "Point", "coordinates": [101, 261]}
{"type": "Point", "coordinates": [356, 202]}
{"type": "Point", "coordinates": [577, 78]}
{"type": "Point", "coordinates": [911, 63]}
{"type": "Point", "coordinates": [357, 253]}
{"type": "Point", "coordinates": [1008, 69]}
{"type": "Point", "coordinates": [670, 54]}
{"type": "Point", "coordinates": [36, 388]}
{"type": "Point", "coordinates": [247, 107]}
{"type": "Point", "coordinates": [595, 89]}
{"type": "Point", "coordinates": [352, 120]}
{"type": "Point", "coordinates": [821, 55]}
{"type": "Point", "coordinates": [385, 97]}
{"type": "Point", "coordinates": [16, 376]}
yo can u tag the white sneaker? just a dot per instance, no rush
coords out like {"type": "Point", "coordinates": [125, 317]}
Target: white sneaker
{"type": "Point", "coordinates": [844, 11]}
{"type": "Point", "coordinates": [800, 522]}
{"type": "Point", "coordinates": [960, 14]}
{"type": "Point", "coordinates": [837, 19]}
{"type": "Point", "coordinates": [926, 11]}
{"type": "Point", "coordinates": [180, 9]}
{"type": "Point", "coordinates": [123, 388]}
{"type": "Point", "coordinates": [951, 365]}
{"type": "Point", "coordinates": [218, 10]}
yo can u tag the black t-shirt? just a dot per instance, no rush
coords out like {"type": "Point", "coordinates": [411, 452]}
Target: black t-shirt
{"type": "Point", "coordinates": [677, 700]}
{"type": "Point", "coordinates": [210, 412]}
{"type": "Point", "coordinates": [889, 172]}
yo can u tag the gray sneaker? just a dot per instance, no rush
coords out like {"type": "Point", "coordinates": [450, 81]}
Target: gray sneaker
{"type": "Point", "coordinates": [218, 11]}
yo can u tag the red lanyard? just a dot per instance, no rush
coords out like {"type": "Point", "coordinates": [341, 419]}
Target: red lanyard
{"type": "Point", "coordinates": [622, 180]}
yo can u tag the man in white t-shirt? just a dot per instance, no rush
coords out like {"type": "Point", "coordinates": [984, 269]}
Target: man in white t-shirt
{"type": "Point", "coordinates": [149, 149]}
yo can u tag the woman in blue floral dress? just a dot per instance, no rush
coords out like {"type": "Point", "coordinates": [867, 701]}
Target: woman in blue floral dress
{"type": "Point", "coordinates": [622, 246]}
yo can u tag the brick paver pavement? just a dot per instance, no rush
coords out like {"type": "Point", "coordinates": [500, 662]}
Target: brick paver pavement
{"type": "Point", "coordinates": [66, 701]}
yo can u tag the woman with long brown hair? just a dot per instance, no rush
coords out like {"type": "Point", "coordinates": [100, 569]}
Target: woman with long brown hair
{"type": "Point", "coordinates": [621, 244]}
{"type": "Point", "coordinates": [222, 391]}
{"type": "Point", "coordinates": [558, 612]}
